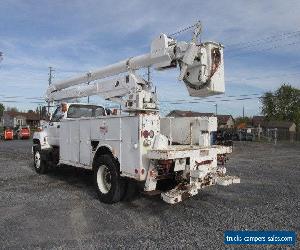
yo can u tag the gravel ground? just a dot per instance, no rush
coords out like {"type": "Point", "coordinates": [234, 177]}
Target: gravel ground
{"type": "Point", "coordinates": [60, 210]}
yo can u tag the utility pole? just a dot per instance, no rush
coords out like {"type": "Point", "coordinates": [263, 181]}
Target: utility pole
{"type": "Point", "coordinates": [51, 70]}
{"type": "Point", "coordinates": [243, 111]}
{"type": "Point", "coordinates": [216, 108]}
{"type": "Point", "coordinates": [40, 111]}
{"type": "Point", "coordinates": [148, 74]}
{"type": "Point", "coordinates": [88, 96]}
{"type": "Point", "coordinates": [89, 74]}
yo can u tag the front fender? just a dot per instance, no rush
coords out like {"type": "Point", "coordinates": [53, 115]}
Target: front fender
{"type": "Point", "coordinates": [41, 137]}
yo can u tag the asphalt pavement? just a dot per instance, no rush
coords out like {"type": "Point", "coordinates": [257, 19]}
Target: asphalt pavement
{"type": "Point", "coordinates": [60, 210]}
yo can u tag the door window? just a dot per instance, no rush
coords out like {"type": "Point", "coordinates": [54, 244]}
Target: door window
{"type": "Point", "coordinates": [57, 115]}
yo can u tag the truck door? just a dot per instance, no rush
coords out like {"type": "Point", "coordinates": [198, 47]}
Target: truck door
{"type": "Point", "coordinates": [85, 142]}
{"type": "Point", "coordinates": [53, 127]}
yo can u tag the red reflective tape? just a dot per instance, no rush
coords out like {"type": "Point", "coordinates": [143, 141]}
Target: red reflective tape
{"type": "Point", "coordinates": [204, 162]}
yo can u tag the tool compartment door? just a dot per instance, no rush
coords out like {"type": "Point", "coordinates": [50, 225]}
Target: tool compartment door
{"type": "Point", "coordinates": [69, 141]}
{"type": "Point", "coordinates": [130, 151]}
{"type": "Point", "coordinates": [85, 142]}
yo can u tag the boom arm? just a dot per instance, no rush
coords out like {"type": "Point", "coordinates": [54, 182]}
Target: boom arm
{"type": "Point", "coordinates": [201, 69]}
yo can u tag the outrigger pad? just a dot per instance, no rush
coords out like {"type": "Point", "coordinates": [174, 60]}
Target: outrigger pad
{"type": "Point", "coordinates": [178, 194]}
{"type": "Point", "coordinates": [182, 192]}
{"type": "Point", "coordinates": [227, 180]}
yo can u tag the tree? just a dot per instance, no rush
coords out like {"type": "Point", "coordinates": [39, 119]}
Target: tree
{"type": "Point", "coordinates": [283, 104]}
{"type": "Point", "coordinates": [2, 108]}
{"type": "Point", "coordinates": [13, 109]}
{"type": "Point", "coordinates": [241, 122]}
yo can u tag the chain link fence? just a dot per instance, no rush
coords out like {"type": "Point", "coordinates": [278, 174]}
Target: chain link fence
{"type": "Point", "coordinates": [280, 135]}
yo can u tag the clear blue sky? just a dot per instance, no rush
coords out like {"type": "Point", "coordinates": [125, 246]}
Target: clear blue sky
{"type": "Point", "coordinates": [261, 41]}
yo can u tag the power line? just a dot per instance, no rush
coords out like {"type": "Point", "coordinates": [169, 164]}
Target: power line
{"type": "Point", "coordinates": [219, 97]}
{"type": "Point", "coordinates": [181, 101]}
{"type": "Point", "coordinates": [277, 46]}
{"type": "Point", "coordinates": [216, 101]}
{"type": "Point", "coordinates": [183, 30]}
{"type": "Point", "coordinates": [15, 101]}
{"type": "Point", "coordinates": [11, 97]}
{"type": "Point", "coordinates": [266, 49]}
{"type": "Point", "coordinates": [213, 101]}
{"type": "Point", "coordinates": [266, 39]}
{"type": "Point", "coordinates": [28, 98]}
{"type": "Point", "coordinates": [34, 98]}
{"type": "Point", "coordinates": [194, 100]}
{"type": "Point", "coordinates": [264, 77]}
{"type": "Point", "coordinates": [205, 99]}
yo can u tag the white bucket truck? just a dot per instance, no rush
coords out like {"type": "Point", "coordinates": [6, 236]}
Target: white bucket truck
{"type": "Point", "coordinates": [139, 145]}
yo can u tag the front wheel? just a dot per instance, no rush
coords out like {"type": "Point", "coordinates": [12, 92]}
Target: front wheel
{"type": "Point", "coordinates": [107, 179]}
{"type": "Point", "coordinates": [39, 164]}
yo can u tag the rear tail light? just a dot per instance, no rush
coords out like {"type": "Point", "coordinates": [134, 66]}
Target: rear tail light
{"type": "Point", "coordinates": [139, 171]}
{"type": "Point", "coordinates": [145, 134]}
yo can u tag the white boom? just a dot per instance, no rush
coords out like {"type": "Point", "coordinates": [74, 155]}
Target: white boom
{"type": "Point", "coordinates": [201, 69]}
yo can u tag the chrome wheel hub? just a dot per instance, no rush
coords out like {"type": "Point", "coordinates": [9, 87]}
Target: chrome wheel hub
{"type": "Point", "coordinates": [104, 179]}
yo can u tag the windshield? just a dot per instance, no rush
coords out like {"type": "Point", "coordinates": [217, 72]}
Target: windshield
{"type": "Point", "coordinates": [78, 111]}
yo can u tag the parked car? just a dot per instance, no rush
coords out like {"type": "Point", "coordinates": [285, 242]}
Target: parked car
{"type": "Point", "coordinates": [245, 135]}
{"type": "Point", "coordinates": [222, 137]}
{"type": "Point", "coordinates": [23, 133]}
{"type": "Point", "coordinates": [8, 134]}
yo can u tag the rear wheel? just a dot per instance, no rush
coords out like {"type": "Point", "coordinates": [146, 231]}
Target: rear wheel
{"type": "Point", "coordinates": [39, 164]}
{"type": "Point", "coordinates": [107, 179]}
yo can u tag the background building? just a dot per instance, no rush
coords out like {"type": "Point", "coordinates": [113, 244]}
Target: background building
{"type": "Point", "coordinates": [14, 119]}
{"type": "Point", "coordinates": [225, 121]}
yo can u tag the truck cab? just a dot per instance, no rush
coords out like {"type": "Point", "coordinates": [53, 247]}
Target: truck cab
{"type": "Point", "coordinates": [66, 111]}
{"type": "Point", "coordinates": [47, 138]}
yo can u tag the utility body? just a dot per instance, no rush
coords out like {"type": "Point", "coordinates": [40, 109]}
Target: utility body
{"type": "Point", "coordinates": [171, 156]}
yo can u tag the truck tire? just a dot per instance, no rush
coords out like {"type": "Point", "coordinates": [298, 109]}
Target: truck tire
{"type": "Point", "coordinates": [107, 179]}
{"type": "Point", "coordinates": [39, 164]}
